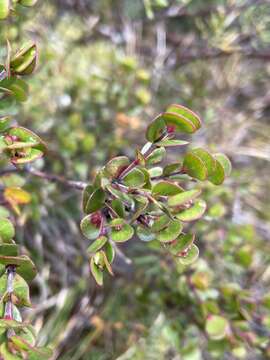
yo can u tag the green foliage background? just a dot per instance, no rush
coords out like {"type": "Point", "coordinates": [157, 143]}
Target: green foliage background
{"type": "Point", "coordinates": [105, 69]}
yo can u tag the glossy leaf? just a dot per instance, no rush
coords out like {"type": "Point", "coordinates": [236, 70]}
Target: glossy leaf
{"type": "Point", "coordinates": [121, 231]}
{"type": "Point", "coordinates": [184, 197]}
{"type": "Point", "coordinates": [218, 176]}
{"type": "Point", "coordinates": [28, 2]}
{"type": "Point", "coordinates": [87, 192]}
{"type": "Point", "coordinates": [156, 129]}
{"type": "Point", "coordinates": [9, 249]}
{"type": "Point", "coordinates": [181, 245]}
{"type": "Point", "coordinates": [216, 327]}
{"type": "Point", "coordinates": [166, 188]}
{"type": "Point", "coordinates": [172, 143]}
{"type": "Point", "coordinates": [194, 166]}
{"type": "Point", "coordinates": [26, 156]}
{"type": "Point", "coordinates": [135, 178]}
{"type": "Point", "coordinates": [95, 201]}
{"type": "Point", "coordinates": [118, 207]}
{"type": "Point", "coordinates": [207, 159]}
{"type": "Point", "coordinates": [97, 244]}
{"type": "Point", "coordinates": [191, 256]}
{"type": "Point", "coordinates": [178, 123]}
{"type": "Point", "coordinates": [172, 168]}
{"type": "Point", "coordinates": [195, 212]}
{"type": "Point", "coordinates": [141, 203]}
{"type": "Point", "coordinates": [7, 230]}
{"type": "Point", "coordinates": [14, 87]}
{"type": "Point", "coordinates": [225, 162]}
{"type": "Point", "coordinates": [171, 232]}
{"type": "Point", "coordinates": [156, 156]}
{"type": "Point", "coordinates": [4, 122]}
{"type": "Point", "coordinates": [187, 113]}
{"type": "Point", "coordinates": [91, 226]}
{"type": "Point", "coordinates": [24, 266]}
{"type": "Point", "coordinates": [155, 171]}
{"type": "Point", "coordinates": [25, 60]}
{"type": "Point", "coordinates": [160, 223]}
{"type": "Point", "coordinates": [26, 135]}
{"type": "Point", "coordinates": [110, 252]}
{"type": "Point", "coordinates": [144, 233]}
{"type": "Point", "coordinates": [96, 272]}
{"type": "Point", "coordinates": [116, 165]}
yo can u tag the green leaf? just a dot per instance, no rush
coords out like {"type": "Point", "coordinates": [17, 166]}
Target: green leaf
{"type": "Point", "coordinates": [172, 168]}
{"type": "Point", "coordinates": [144, 233]}
{"type": "Point", "coordinates": [4, 9]}
{"type": "Point", "coordinates": [185, 112]}
{"type": "Point", "coordinates": [216, 327]}
{"type": "Point", "coordinates": [21, 291]}
{"type": "Point", "coordinates": [195, 212]}
{"type": "Point", "coordinates": [160, 223]}
{"type": "Point", "coordinates": [87, 192]}
{"type": "Point", "coordinates": [24, 266]}
{"type": "Point", "coordinates": [118, 207]}
{"type": "Point", "coordinates": [25, 60]}
{"type": "Point", "coordinates": [14, 87]}
{"type": "Point", "coordinates": [156, 156]}
{"type": "Point", "coordinates": [26, 156]}
{"type": "Point", "coordinates": [156, 129]}
{"type": "Point", "coordinates": [171, 232]}
{"type": "Point", "coordinates": [194, 166]}
{"type": "Point", "coordinates": [135, 178]}
{"type": "Point", "coordinates": [172, 143]}
{"type": "Point", "coordinates": [95, 201]}
{"type": "Point", "coordinates": [6, 355]}
{"type": "Point", "coordinates": [121, 196]}
{"type": "Point", "coordinates": [16, 313]}
{"type": "Point", "coordinates": [141, 203]}
{"type": "Point", "coordinates": [4, 121]}
{"type": "Point", "coordinates": [225, 162]}
{"type": "Point", "coordinates": [91, 226]}
{"type": "Point", "coordinates": [218, 176]}
{"type": "Point", "coordinates": [97, 244]}
{"type": "Point", "coordinates": [178, 123]}
{"type": "Point", "coordinates": [155, 171]}
{"type": "Point", "coordinates": [109, 251]}
{"type": "Point", "coordinates": [166, 188]}
{"type": "Point", "coordinates": [96, 272]}
{"type": "Point", "coordinates": [106, 262]}
{"type": "Point", "coordinates": [10, 324]}
{"type": "Point", "coordinates": [9, 249]}
{"type": "Point", "coordinates": [181, 245]}
{"type": "Point", "coordinates": [7, 230]}
{"type": "Point", "coordinates": [26, 135]}
{"type": "Point", "coordinates": [191, 256]}
{"type": "Point", "coordinates": [116, 165]}
{"type": "Point", "coordinates": [184, 197]}
{"type": "Point", "coordinates": [28, 2]}
{"type": "Point", "coordinates": [207, 158]}
{"type": "Point", "coordinates": [121, 231]}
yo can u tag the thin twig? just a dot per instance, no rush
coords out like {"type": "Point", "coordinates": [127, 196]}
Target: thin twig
{"type": "Point", "coordinates": [78, 185]}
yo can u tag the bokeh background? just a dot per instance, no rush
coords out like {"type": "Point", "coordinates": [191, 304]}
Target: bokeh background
{"type": "Point", "coordinates": [106, 68]}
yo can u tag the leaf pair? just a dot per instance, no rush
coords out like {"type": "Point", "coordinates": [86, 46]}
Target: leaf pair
{"type": "Point", "coordinates": [175, 119]}
{"type": "Point", "coordinates": [201, 165]}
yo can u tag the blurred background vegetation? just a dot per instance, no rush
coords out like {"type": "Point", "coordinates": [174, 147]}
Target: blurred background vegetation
{"type": "Point", "coordinates": [106, 68]}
